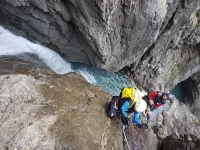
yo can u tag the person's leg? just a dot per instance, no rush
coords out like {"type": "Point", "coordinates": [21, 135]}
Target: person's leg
{"type": "Point", "coordinates": [124, 117]}
{"type": "Point", "coordinates": [124, 120]}
{"type": "Point", "coordinates": [136, 117]}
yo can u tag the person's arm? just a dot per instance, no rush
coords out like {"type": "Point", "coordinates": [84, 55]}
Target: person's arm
{"type": "Point", "coordinates": [136, 118]}
{"type": "Point", "coordinates": [124, 108]}
{"type": "Point", "coordinates": [152, 109]}
{"type": "Point", "coordinates": [157, 105]}
{"type": "Point", "coordinates": [152, 95]}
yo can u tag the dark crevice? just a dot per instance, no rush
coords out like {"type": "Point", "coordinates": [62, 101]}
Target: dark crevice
{"type": "Point", "coordinates": [146, 55]}
{"type": "Point", "coordinates": [187, 92]}
{"type": "Point", "coordinates": [166, 26]}
{"type": "Point", "coordinates": [169, 24]}
{"type": "Point", "coordinates": [190, 90]}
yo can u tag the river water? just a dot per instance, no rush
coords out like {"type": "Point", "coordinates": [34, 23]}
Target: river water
{"type": "Point", "coordinates": [20, 53]}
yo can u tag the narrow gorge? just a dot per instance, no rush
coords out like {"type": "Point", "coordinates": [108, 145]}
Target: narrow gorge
{"type": "Point", "coordinates": [156, 42]}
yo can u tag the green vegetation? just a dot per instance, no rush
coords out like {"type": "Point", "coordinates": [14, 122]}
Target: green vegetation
{"type": "Point", "coordinates": [179, 66]}
{"type": "Point", "coordinates": [175, 36]}
{"type": "Point", "coordinates": [164, 6]}
{"type": "Point", "coordinates": [194, 19]}
{"type": "Point", "coordinates": [174, 75]}
{"type": "Point", "coordinates": [169, 61]}
{"type": "Point", "coordinates": [171, 69]}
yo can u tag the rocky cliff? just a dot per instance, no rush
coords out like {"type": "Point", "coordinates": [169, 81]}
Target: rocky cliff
{"type": "Point", "coordinates": [43, 110]}
{"type": "Point", "coordinates": [159, 40]}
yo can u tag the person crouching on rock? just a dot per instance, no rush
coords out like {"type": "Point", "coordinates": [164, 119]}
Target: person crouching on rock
{"type": "Point", "coordinates": [155, 99]}
{"type": "Point", "coordinates": [128, 101]}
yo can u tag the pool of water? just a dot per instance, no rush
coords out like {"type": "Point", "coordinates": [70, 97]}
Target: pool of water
{"type": "Point", "coordinates": [112, 83]}
{"type": "Point", "coordinates": [177, 91]}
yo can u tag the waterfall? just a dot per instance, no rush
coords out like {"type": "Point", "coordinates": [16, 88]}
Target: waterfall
{"type": "Point", "coordinates": [13, 45]}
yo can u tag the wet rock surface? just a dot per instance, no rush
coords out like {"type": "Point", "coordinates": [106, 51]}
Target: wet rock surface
{"type": "Point", "coordinates": [20, 64]}
{"type": "Point", "coordinates": [109, 35]}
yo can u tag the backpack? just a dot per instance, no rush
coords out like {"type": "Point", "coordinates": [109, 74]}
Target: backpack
{"type": "Point", "coordinates": [130, 94]}
{"type": "Point", "coordinates": [112, 107]}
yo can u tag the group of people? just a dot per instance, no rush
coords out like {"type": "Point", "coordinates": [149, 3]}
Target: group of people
{"type": "Point", "coordinates": [130, 101]}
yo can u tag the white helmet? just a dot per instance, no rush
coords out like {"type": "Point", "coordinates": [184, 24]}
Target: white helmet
{"type": "Point", "coordinates": [140, 105]}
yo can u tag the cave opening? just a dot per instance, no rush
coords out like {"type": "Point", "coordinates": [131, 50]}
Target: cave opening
{"type": "Point", "coordinates": [178, 91]}
{"type": "Point", "coordinates": [186, 91]}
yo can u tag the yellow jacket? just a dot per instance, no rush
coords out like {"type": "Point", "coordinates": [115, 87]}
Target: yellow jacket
{"type": "Point", "coordinates": [131, 93]}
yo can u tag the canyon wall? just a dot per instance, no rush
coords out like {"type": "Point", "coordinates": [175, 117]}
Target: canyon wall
{"type": "Point", "coordinates": [157, 40]}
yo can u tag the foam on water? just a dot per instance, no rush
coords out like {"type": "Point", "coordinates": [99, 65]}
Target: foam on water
{"type": "Point", "coordinates": [11, 44]}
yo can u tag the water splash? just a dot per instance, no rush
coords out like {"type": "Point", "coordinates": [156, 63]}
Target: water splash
{"type": "Point", "coordinates": [15, 45]}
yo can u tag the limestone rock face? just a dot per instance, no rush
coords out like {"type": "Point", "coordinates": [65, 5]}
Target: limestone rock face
{"type": "Point", "coordinates": [49, 111]}
{"type": "Point", "coordinates": [180, 117]}
{"type": "Point", "coordinates": [182, 126]}
{"type": "Point", "coordinates": [159, 39]}
{"type": "Point", "coordinates": [43, 110]}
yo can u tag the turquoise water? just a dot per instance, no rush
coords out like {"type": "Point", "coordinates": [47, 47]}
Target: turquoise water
{"type": "Point", "coordinates": [112, 83]}
{"type": "Point", "coordinates": [177, 91]}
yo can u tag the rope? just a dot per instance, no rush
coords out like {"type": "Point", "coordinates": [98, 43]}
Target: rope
{"type": "Point", "coordinates": [123, 128]}
{"type": "Point", "coordinates": [139, 142]}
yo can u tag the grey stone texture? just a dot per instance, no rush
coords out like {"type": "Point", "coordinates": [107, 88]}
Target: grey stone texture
{"type": "Point", "coordinates": [43, 110]}
{"type": "Point", "coordinates": [158, 40]}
